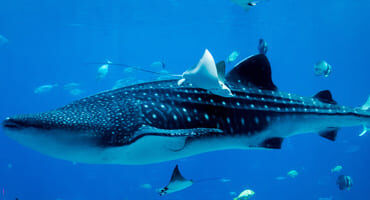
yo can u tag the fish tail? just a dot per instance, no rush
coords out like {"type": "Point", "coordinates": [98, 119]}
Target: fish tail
{"type": "Point", "coordinates": [366, 107]}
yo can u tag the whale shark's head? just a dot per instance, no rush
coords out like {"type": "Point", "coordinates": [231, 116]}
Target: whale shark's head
{"type": "Point", "coordinates": [53, 133]}
{"type": "Point", "coordinates": [90, 124]}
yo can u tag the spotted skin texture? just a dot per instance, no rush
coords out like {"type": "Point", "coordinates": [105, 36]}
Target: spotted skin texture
{"type": "Point", "coordinates": [121, 117]}
{"type": "Point", "coordinates": [115, 115]}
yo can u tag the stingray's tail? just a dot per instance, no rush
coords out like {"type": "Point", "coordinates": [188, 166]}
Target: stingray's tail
{"type": "Point", "coordinates": [138, 69]}
{"type": "Point", "coordinates": [208, 179]}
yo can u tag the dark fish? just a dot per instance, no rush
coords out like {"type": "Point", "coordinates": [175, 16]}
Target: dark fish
{"type": "Point", "coordinates": [262, 46]}
{"type": "Point", "coordinates": [344, 182]}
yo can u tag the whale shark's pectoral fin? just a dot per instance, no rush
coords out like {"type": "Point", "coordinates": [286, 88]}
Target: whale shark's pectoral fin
{"type": "Point", "coordinates": [254, 71]}
{"type": "Point", "coordinates": [330, 134]}
{"type": "Point", "coordinates": [206, 76]}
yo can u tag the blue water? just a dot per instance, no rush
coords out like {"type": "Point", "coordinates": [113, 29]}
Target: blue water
{"type": "Point", "coordinates": [53, 42]}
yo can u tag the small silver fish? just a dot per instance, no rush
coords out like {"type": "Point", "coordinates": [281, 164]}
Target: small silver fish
{"type": "Point", "coordinates": [233, 56]}
{"type": "Point", "coordinates": [245, 195]}
{"type": "Point", "coordinates": [246, 4]}
{"type": "Point", "coordinates": [262, 46]}
{"type": "Point", "coordinates": [292, 173]}
{"type": "Point", "coordinates": [323, 68]}
{"type": "Point", "coordinates": [44, 88]}
{"type": "Point", "coordinates": [337, 168]}
{"type": "Point", "coordinates": [103, 70]}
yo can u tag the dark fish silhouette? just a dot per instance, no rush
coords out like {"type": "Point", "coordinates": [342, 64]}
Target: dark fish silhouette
{"type": "Point", "coordinates": [344, 182]}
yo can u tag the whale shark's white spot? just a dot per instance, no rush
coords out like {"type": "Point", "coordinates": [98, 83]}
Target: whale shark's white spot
{"type": "Point", "coordinates": [228, 120]}
{"type": "Point", "coordinates": [256, 120]}
{"type": "Point", "coordinates": [188, 119]}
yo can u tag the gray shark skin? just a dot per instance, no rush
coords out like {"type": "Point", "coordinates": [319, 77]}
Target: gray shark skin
{"type": "Point", "coordinates": [160, 121]}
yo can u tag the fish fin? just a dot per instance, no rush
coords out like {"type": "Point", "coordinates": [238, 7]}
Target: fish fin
{"type": "Point", "coordinates": [205, 76]}
{"type": "Point", "coordinates": [221, 70]}
{"type": "Point", "coordinates": [254, 71]}
{"type": "Point", "coordinates": [365, 130]}
{"type": "Point", "coordinates": [325, 97]}
{"type": "Point", "coordinates": [176, 175]}
{"type": "Point", "coordinates": [330, 134]}
{"type": "Point", "coordinates": [366, 106]}
{"type": "Point", "coordinates": [272, 143]}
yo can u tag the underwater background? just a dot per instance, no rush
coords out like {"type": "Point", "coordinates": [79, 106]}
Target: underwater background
{"type": "Point", "coordinates": [58, 42]}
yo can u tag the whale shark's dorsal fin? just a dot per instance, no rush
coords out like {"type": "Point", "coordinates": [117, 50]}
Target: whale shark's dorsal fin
{"type": "Point", "coordinates": [254, 71]}
{"type": "Point", "coordinates": [325, 96]}
{"type": "Point", "coordinates": [206, 76]}
{"type": "Point", "coordinates": [177, 183]}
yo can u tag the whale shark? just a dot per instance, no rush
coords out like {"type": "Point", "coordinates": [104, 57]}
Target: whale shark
{"type": "Point", "coordinates": [202, 110]}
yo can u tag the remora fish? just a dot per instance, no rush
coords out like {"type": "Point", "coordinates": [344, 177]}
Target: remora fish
{"type": "Point", "coordinates": [165, 120]}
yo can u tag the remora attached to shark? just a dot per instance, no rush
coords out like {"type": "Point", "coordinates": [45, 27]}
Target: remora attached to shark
{"type": "Point", "coordinates": [204, 111]}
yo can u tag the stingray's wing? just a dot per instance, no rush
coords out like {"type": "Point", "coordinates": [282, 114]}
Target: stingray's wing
{"type": "Point", "coordinates": [176, 175]}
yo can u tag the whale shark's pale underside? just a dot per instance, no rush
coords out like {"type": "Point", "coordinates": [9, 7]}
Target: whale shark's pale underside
{"type": "Point", "coordinates": [205, 110]}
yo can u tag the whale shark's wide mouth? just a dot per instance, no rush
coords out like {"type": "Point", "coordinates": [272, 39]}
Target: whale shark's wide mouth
{"type": "Point", "coordinates": [10, 123]}
{"type": "Point", "coordinates": [18, 123]}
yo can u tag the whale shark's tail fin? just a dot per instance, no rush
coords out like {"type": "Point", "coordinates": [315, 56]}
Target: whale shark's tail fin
{"type": "Point", "coordinates": [366, 107]}
{"type": "Point", "coordinates": [366, 129]}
